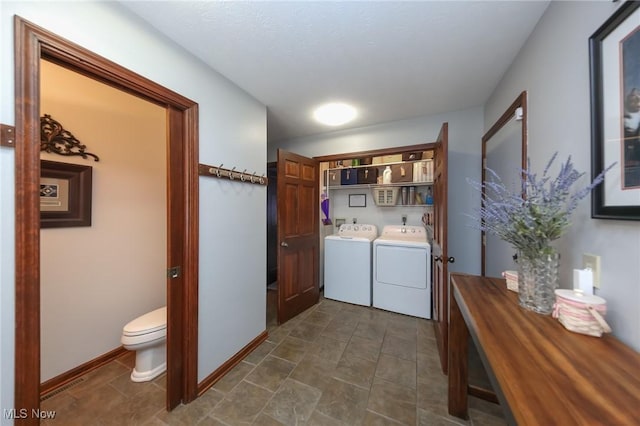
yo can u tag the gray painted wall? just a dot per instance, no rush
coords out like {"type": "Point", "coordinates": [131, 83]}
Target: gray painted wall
{"type": "Point", "coordinates": [465, 148]}
{"type": "Point", "coordinates": [553, 67]}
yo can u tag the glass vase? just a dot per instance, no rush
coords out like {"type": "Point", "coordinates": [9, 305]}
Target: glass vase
{"type": "Point", "coordinates": [538, 277]}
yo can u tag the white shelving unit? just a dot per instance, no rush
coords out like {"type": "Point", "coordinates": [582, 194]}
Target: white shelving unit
{"type": "Point", "coordinates": [372, 186]}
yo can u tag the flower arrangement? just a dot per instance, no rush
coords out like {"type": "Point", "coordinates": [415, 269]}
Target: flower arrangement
{"type": "Point", "coordinates": [531, 222]}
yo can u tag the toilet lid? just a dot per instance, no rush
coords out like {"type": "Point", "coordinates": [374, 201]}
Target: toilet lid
{"type": "Point", "coordinates": [147, 323]}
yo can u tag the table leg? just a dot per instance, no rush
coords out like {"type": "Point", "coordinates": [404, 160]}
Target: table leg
{"type": "Point", "coordinates": [458, 360]}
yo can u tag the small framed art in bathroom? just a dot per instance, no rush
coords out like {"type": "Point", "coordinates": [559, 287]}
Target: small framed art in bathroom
{"type": "Point", "coordinates": [65, 194]}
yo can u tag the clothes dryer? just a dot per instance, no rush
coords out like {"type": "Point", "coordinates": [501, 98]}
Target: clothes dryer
{"type": "Point", "coordinates": [347, 264]}
{"type": "Point", "coordinates": [402, 271]}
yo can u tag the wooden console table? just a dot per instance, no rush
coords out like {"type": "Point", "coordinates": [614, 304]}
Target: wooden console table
{"type": "Point", "coordinates": [542, 373]}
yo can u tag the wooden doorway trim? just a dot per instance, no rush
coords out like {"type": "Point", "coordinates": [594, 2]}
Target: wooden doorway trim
{"type": "Point", "coordinates": [33, 43]}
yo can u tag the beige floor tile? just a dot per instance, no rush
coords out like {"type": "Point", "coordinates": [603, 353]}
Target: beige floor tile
{"type": "Point", "coordinates": [375, 419]}
{"type": "Point", "coordinates": [427, 418]}
{"type": "Point", "coordinates": [399, 347]}
{"type": "Point", "coordinates": [319, 419]}
{"type": "Point", "coordinates": [233, 377]}
{"type": "Point", "coordinates": [396, 370]}
{"type": "Point", "coordinates": [339, 330]}
{"type": "Point", "coordinates": [270, 373]}
{"type": "Point", "coordinates": [363, 348]}
{"type": "Point", "coordinates": [291, 348]}
{"type": "Point", "coordinates": [307, 331]}
{"type": "Point", "coordinates": [344, 402]}
{"type": "Point", "coordinates": [293, 403]}
{"type": "Point", "coordinates": [319, 318]}
{"type": "Point", "coordinates": [393, 401]}
{"type": "Point", "coordinates": [327, 348]}
{"type": "Point", "coordinates": [355, 370]}
{"type": "Point", "coordinates": [242, 405]}
{"type": "Point", "coordinates": [370, 330]}
{"type": "Point", "coordinates": [260, 352]}
{"type": "Point", "coordinates": [314, 372]}
{"type": "Point", "coordinates": [190, 414]}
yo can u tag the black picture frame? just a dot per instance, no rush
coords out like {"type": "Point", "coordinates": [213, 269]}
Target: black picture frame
{"type": "Point", "coordinates": [618, 197]}
{"type": "Point", "coordinates": [357, 200]}
{"type": "Point", "coordinates": [65, 194]}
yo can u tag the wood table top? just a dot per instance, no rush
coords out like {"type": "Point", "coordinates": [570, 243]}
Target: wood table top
{"type": "Point", "coordinates": [546, 374]}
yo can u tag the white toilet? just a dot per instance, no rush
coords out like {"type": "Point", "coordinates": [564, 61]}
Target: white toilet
{"type": "Point", "coordinates": [147, 335]}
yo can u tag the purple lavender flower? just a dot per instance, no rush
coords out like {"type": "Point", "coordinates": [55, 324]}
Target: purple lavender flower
{"type": "Point", "coordinates": [532, 221]}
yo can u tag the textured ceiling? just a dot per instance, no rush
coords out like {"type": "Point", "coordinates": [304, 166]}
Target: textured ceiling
{"type": "Point", "coordinates": [392, 60]}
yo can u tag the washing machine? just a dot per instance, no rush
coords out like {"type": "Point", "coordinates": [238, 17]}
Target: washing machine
{"type": "Point", "coordinates": [347, 264]}
{"type": "Point", "coordinates": [402, 271]}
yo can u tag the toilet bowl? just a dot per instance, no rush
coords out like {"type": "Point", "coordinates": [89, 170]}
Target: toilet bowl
{"type": "Point", "coordinates": [147, 336]}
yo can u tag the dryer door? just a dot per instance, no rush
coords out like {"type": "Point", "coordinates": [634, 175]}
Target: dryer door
{"type": "Point", "coordinates": [402, 266]}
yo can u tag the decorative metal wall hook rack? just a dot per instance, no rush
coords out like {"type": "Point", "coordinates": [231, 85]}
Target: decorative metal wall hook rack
{"type": "Point", "coordinates": [55, 139]}
{"type": "Point", "coordinates": [232, 174]}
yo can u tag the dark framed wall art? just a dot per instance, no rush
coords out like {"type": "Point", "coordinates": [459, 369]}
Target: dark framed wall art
{"type": "Point", "coordinates": [614, 51]}
{"type": "Point", "coordinates": [65, 194]}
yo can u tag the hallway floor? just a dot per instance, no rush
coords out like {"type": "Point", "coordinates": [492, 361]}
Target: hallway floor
{"type": "Point", "coordinates": [334, 364]}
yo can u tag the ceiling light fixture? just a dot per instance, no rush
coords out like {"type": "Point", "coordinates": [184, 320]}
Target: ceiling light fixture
{"type": "Point", "coordinates": [335, 114]}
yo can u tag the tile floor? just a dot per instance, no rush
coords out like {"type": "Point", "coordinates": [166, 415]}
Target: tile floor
{"type": "Point", "coordinates": [334, 364]}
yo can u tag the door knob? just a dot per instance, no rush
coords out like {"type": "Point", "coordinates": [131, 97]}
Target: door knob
{"type": "Point", "coordinates": [451, 259]}
{"type": "Point", "coordinates": [283, 244]}
{"type": "Point", "coordinates": [437, 258]}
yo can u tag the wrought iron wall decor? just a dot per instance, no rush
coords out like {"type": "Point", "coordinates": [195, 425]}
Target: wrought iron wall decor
{"type": "Point", "coordinates": [55, 139]}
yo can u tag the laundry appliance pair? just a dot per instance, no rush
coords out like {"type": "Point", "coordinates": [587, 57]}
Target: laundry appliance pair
{"type": "Point", "coordinates": [391, 272]}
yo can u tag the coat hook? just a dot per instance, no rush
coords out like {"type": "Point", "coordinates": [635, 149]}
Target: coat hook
{"type": "Point", "coordinates": [242, 178]}
{"type": "Point", "coordinates": [262, 179]}
{"type": "Point", "coordinates": [218, 171]}
{"type": "Point", "coordinates": [231, 173]}
{"type": "Point", "coordinates": [253, 176]}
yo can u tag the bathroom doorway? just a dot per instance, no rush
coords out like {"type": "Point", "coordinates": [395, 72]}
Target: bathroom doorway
{"type": "Point", "coordinates": [125, 148]}
{"type": "Point", "coordinates": [32, 44]}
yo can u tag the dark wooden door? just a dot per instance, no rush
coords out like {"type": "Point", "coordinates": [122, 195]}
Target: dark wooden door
{"type": "Point", "coordinates": [298, 234]}
{"type": "Point", "coordinates": [440, 253]}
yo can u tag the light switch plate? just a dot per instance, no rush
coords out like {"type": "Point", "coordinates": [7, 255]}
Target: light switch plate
{"type": "Point", "coordinates": [592, 262]}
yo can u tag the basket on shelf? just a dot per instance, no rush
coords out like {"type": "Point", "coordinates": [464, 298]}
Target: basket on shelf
{"type": "Point", "coordinates": [385, 196]}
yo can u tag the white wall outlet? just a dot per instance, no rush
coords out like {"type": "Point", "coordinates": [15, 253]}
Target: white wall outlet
{"type": "Point", "coordinates": [592, 262]}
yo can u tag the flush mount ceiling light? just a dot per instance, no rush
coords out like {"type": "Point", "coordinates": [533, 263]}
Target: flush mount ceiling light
{"type": "Point", "coordinates": [335, 114]}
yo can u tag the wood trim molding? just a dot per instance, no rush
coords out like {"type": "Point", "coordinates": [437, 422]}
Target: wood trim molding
{"type": "Point", "coordinates": [219, 373]}
{"type": "Point", "coordinates": [191, 260]}
{"type": "Point", "coordinates": [377, 152]}
{"type": "Point", "coordinates": [519, 102]}
{"type": "Point", "coordinates": [64, 378]}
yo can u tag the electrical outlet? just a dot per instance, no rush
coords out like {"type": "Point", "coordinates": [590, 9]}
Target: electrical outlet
{"type": "Point", "coordinates": [592, 262]}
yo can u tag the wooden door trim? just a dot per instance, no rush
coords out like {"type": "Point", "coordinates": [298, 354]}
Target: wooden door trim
{"type": "Point", "coordinates": [377, 152]}
{"type": "Point", "coordinates": [441, 318]}
{"type": "Point", "coordinates": [31, 44]}
{"type": "Point", "coordinates": [519, 102]}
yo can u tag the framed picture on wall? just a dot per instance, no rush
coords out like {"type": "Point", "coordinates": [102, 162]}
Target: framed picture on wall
{"type": "Point", "coordinates": [65, 194]}
{"type": "Point", "coordinates": [357, 200]}
{"type": "Point", "coordinates": [615, 114]}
